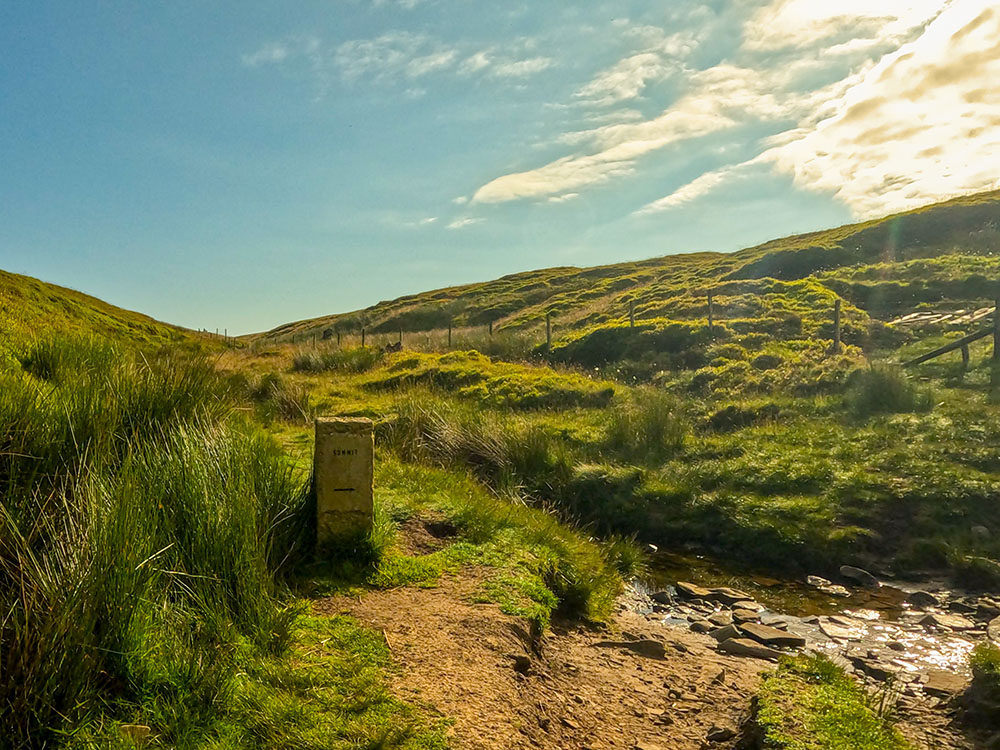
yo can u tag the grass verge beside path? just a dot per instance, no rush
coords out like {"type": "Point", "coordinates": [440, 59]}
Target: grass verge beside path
{"type": "Point", "coordinates": [536, 566]}
{"type": "Point", "coordinates": [811, 704]}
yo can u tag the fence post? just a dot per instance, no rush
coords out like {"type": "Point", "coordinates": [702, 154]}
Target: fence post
{"type": "Point", "coordinates": [400, 336]}
{"type": "Point", "coordinates": [711, 315]}
{"type": "Point", "coordinates": [491, 328]}
{"type": "Point", "coordinates": [996, 329]}
{"type": "Point", "coordinates": [338, 339]}
{"type": "Point", "coordinates": [631, 314]}
{"type": "Point", "coordinates": [548, 332]}
{"type": "Point", "coordinates": [362, 337]}
{"type": "Point", "coordinates": [449, 334]}
{"type": "Point", "coordinates": [836, 326]}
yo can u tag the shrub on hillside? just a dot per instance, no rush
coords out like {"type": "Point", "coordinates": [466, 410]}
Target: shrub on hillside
{"type": "Point", "coordinates": [651, 426]}
{"type": "Point", "coordinates": [885, 389]}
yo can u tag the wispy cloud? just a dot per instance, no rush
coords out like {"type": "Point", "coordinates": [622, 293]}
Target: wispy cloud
{"type": "Point", "coordinates": [464, 221]}
{"type": "Point", "coordinates": [393, 57]}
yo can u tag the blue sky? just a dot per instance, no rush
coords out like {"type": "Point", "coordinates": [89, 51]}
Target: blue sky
{"type": "Point", "coordinates": [242, 164]}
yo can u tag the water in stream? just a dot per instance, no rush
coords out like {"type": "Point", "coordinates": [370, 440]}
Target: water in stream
{"type": "Point", "coordinates": [874, 631]}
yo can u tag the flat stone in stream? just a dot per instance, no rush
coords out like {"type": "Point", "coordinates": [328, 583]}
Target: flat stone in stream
{"type": "Point", "coordinates": [746, 647]}
{"type": "Point", "coordinates": [730, 596]}
{"type": "Point", "coordinates": [692, 590]}
{"type": "Point", "coordinates": [943, 683]}
{"type": "Point", "coordinates": [947, 622]}
{"type": "Point", "coordinates": [744, 615]}
{"type": "Point", "coordinates": [922, 599]}
{"type": "Point", "coordinates": [772, 636]}
{"type": "Point", "coordinates": [993, 629]}
{"type": "Point", "coordinates": [858, 575]}
{"type": "Point", "coordinates": [721, 619]}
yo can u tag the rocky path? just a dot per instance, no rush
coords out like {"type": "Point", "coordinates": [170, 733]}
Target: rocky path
{"type": "Point", "coordinates": [634, 685]}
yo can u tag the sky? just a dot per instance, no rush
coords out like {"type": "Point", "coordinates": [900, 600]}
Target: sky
{"type": "Point", "coordinates": [238, 165]}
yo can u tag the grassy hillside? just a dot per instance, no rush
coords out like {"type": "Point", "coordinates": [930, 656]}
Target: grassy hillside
{"type": "Point", "coordinates": [880, 266]}
{"type": "Point", "coordinates": [29, 307]}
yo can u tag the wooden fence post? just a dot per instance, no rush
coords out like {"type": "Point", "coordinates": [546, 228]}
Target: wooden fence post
{"type": "Point", "coordinates": [491, 328]}
{"type": "Point", "coordinates": [449, 334]}
{"type": "Point", "coordinates": [338, 339]}
{"type": "Point", "coordinates": [400, 336]}
{"type": "Point", "coordinates": [711, 316]}
{"type": "Point", "coordinates": [362, 337]}
{"type": "Point", "coordinates": [996, 329]}
{"type": "Point", "coordinates": [548, 332]}
{"type": "Point", "coordinates": [836, 326]}
{"type": "Point", "coordinates": [631, 314]}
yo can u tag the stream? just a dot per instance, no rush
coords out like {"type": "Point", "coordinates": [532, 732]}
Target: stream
{"type": "Point", "coordinates": [919, 640]}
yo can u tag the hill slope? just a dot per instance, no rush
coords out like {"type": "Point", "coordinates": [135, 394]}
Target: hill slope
{"type": "Point", "coordinates": [28, 305]}
{"type": "Point", "coordinates": [880, 266]}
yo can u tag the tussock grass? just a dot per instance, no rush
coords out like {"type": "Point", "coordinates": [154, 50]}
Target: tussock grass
{"type": "Point", "coordinates": [885, 389]}
{"type": "Point", "coordinates": [650, 427]}
{"type": "Point", "coordinates": [335, 359]}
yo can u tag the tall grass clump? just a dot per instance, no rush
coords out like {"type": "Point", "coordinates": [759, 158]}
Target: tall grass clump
{"type": "Point", "coordinates": [142, 530]}
{"type": "Point", "coordinates": [512, 455]}
{"type": "Point", "coordinates": [650, 426]}
{"type": "Point", "coordinates": [349, 360]}
{"type": "Point", "coordinates": [885, 389]}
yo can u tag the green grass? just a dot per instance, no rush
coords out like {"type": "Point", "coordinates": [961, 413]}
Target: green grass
{"type": "Point", "coordinates": [148, 536]}
{"type": "Point", "coordinates": [811, 704]}
{"type": "Point", "coordinates": [474, 376]}
{"type": "Point", "coordinates": [984, 692]}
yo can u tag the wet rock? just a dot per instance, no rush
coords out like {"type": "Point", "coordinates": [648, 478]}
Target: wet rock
{"type": "Point", "coordinates": [724, 634]}
{"type": "Point", "coordinates": [834, 628]}
{"type": "Point", "coordinates": [720, 734]}
{"type": "Point", "coordinates": [662, 597]}
{"type": "Point", "coordinates": [993, 629]}
{"type": "Point", "coordinates": [946, 622]}
{"type": "Point", "coordinates": [692, 590]}
{"type": "Point", "coordinates": [987, 608]}
{"type": "Point", "coordinates": [744, 615]}
{"type": "Point", "coordinates": [980, 532]}
{"type": "Point", "coordinates": [702, 626]}
{"type": "Point", "coordinates": [961, 608]}
{"type": "Point", "coordinates": [772, 636]}
{"type": "Point", "coordinates": [647, 746]}
{"type": "Point", "coordinates": [729, 596]}
{"type": "Point", "coordinates": [817, 583]}
{"type": "Point", "coordinates": [943, 683]}
{"type": "Point", "coordinates": [746, 647]}
{"type": "Point", "coordinates": [835, 589]}
{"type": "Point", "coordinates": [860, 576]}
{"type": "Point", "coordinates": [922, 600]}
{"type": "Point", "coordinates": [896, 645]}
{"type": "Point", "coordinates": [746, 604]}
{"type": "Point", "coordinates": [721, 619]}
{"type": "Point", "coordinates": [873, 668]}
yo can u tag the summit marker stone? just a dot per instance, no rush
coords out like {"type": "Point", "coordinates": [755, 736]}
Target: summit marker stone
{"type": "Point", "coordinates": [343, 473]}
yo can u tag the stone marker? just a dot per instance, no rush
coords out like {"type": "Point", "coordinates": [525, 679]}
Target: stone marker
{"type": "Point", "coordinates": [343, 475]}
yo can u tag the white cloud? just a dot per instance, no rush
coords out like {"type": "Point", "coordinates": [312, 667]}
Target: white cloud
{"type": "Point", "coordinates": [521, 68]}
{"type": "Point", "coordinates": [801, 23]}
{"type": "Point", "coordinates": [624, 80]}
{"type": "Point", "coordinates": [464, 221]}
{"type": "Point", "coordinates": [563, 198]}
{"type": "Point", "coordinates": [271, 53]}
{"type": "Point", "coordinates": [921, 125]}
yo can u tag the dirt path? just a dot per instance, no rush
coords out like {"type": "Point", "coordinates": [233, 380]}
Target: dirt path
{"type": "Point", "coordinates": [571, 689]}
